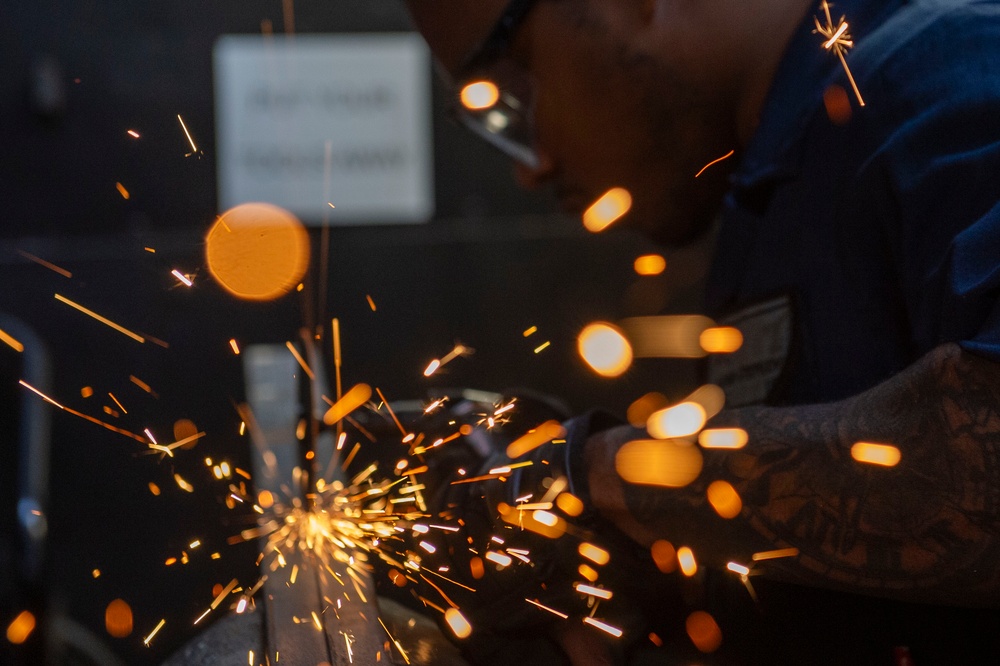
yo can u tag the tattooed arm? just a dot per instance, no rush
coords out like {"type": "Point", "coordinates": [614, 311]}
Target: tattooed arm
{"type": "Point", "coordinates": [925, 530]}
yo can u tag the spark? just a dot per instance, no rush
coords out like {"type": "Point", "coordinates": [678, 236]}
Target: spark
{"type": "Point", "coordinates": [103, 320]}
{"type": "Point", "coordinates": [159, 626]}
{"type": "Point", "coordinates": [223, 594]}
{"type": "Point", "coordinates": [133, 134]}
{"type": "Point", "coordinates": [40, 394]}
{"type": "Point", "coordinates": [150, 249]}
{"type": "Point", "coordinates": [394, 641]}
{"type": "Point", "coordinates": [603, 626]}
{"type": "Point", "coordinates": [542, 346]}
{"type": "Point", "coordinates": [598, 592]}
{"type": "Point", "coordinates": [141, 384]}
{"type": "Point", "coordinates": [11, 342]}
{"type": "Point", "coordinates": [371, 303]}
{"type": "Point", "coordinates": [120, 431]}
{"type": "Point", "coordinates": [391, 413]}
{"type": "Point", "coordinates": [185, 280]}
{"type": "Point", "coordinates": [546, 608]}
{"type": "Point", "coordinates": [122, 191]}
{"type": "Point", "coordinates": [236, 349]}
{"type": "Point", "coordinates": [194, 148]}
{"type": "Point", "coordinates": [182, 484]}
{"type": "Point", "coordinates": [715, 161]}
{"type": "Point", "coordinates": [499, 558]}
{"type": "Point", "coordinates": [775, 554]}
{"type": "Point", "coordinates": [194, 544]}
{"type": "Point", "coordinates": [838, 40]}
{"type": "Point", "coordinates": [301, 361]}
{"type": "Point", "coordinates": [46, 264]}
{"type": "Point", "coordinates": [122, 407]}
{"type": "Point", "coordinates": [738, 568]}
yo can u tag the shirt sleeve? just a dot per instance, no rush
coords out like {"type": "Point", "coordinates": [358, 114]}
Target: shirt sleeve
{"type": "Point", "coordinates": [935, 108]}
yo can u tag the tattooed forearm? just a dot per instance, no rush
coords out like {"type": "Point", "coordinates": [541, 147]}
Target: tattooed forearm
{"type": "Point", "coordinates": [927, 529]}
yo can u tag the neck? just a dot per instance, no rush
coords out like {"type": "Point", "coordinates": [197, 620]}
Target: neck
{"type": "Point", "coordinates": [775, 24]}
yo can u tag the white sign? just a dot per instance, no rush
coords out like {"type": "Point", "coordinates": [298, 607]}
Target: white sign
{"type": "Point", "coordinates": [306, 121]}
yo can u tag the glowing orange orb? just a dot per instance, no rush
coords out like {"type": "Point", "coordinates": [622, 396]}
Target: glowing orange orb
{"type": "Point", "coordinates": [257, 251]}
{"type": "Point", "coordinates": [480, 95]}
{"type": "Point", "coordinates": [605, 349]}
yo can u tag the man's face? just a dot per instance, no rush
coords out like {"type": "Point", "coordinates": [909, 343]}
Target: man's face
{"type": "Point", "coordinates": [621, 98]}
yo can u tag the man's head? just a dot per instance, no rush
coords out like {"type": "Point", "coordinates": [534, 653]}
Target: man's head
{"type": "Point", "coordinates": [637, 94]}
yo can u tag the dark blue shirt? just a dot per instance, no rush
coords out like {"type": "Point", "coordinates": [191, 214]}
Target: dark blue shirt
{"type": "Point", "coordinates": [883, 229]}
{"type": "Point", "coordinates": [880, 232]}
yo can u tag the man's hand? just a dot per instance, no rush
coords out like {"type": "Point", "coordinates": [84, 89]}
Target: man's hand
{"type": "Point", "coordinates": [925, 530]}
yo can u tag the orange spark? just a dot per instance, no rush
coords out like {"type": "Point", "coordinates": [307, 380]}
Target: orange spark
{"type": "Point", "coordinates": [614, 631]}
{"type": "Point", "coordinates": [47, 264]}
{"type": "Point", "coordinates": [133, 134]}
{"type": "Point", "coordinates": [236, 347]}
{"type": "Point", "coordinates": [185, 280]}
{"type": "Point", "coordinates": [10, 341]}
{"type": "Point", "coordinates": [148, 638]}
{"type": "Point", "coordinates": [715, 161]}
{"type": "Point", "coordinates": [103, 320]}
{"type": "Point", "coordinates": [194, 148]}
{"type": "Point", "coordinates": [301, 361]}
{"type": "Point", "coordinates": [122, 191]}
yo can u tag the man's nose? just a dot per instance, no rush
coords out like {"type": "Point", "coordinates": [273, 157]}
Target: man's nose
{"type": "Point", "coordinates": [533, 177]}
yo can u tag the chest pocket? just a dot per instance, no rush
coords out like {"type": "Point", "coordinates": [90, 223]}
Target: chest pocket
{"type": "Point", "coordinates": [751, 374]}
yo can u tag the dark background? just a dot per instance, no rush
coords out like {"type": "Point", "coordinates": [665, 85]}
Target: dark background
{"type": "Point", "coordinates": [494, 261]}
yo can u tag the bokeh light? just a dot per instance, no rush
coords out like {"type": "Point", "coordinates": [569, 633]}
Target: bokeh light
{"type": "Point", "coordinates": [681, 420]}
{"type": "Point", "coordinates": [669, 463]}
{"type": "Point", "coordinates": [640, 410]}
{"type": "Point", "coordinates": [721, 339]}
{"type": "Point", "coordinates": [703, 631]}
{"type": "Point", "coordinates": [479, 95]}
{"type": "Point", "coordinates": [664, 556]}
{"type": "Point", "coordinates": [609, 208]}
{"type": "Point", "coordinates": [724, 499]}
{"type": "Point", "coordinates": [723, 438]}
{"type": "Point", "coordinates": [685, 558]}
{"type": "Point", "coordinates": [650, 264]}
{"type": "Point", "coordinates": [885, 455]}
{"type": "Point", "coordinates": [183, 429]}
{"type": "Point", "coordinates": [605, 349]}
{"type": "Point", "coordinates": [257, 251]}
{"type": "Point", "coordinates": [118, 619]}
{"type": "Point", "coordinates": [711, 397]}
{"type": "Point", "coordinates": [667, 336]}
{"type": "Point", "coordinates": [457, 623]}
{"type": "Point", "coordinates": [21, 627]}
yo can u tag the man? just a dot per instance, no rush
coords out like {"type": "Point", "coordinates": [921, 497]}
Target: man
{"type": "Point", "coordinates": [861, 244]}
